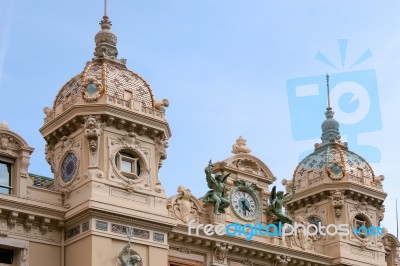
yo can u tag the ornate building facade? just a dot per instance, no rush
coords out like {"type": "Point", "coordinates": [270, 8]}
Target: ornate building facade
{"type": "Point", "coordinates": [107, 136]}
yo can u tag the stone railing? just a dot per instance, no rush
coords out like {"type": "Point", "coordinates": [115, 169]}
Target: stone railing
{"type": "Point", "coordinates": [135, 106]}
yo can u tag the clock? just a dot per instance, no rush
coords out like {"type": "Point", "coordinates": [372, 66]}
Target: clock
{"type": "Point", "coordinates": [69, 167]}
{"type": "Point", "coordinates": [245, 203]}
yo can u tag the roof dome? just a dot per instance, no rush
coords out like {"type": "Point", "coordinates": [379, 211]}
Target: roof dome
{"type": "Point", "coordinates": [332, 161]}
{"type": "Point", "coordinates": [116, 81]}
{"type": "Point", "coordinates": [105, 75]}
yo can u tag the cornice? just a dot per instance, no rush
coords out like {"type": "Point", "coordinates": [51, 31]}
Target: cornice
{"type": "Point", "coordinates": [249, 248]}
{"type": "Point", "coordinates": [100, 109]}
{"type": "Point", "coordinates": [32, 207]}
{"type": "Point", "coordinates": [322, 191]}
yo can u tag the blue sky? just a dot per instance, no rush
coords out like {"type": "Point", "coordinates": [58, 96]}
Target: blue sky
{"type": "Point", "coordinates": [223, 65]}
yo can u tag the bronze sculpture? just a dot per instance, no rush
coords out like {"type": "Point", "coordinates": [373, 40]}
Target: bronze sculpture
{"type": "Point", "coordinates": [133, 260]}
{"type": "Point", "coordinates": [276, 203]}
{"type": "Point", "coordinates": [217, 194]}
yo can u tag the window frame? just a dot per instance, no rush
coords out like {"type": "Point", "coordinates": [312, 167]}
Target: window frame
{"type": "Point", "coordinates": [134, 160]}
{"type": "Point", "coordinates": [360, 220]}
{"type": "Point", "coordinates": [12, 251]}
{"type": "Point", "coordinates": [10, 164]}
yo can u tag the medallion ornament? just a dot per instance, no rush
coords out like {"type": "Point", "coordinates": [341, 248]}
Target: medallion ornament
{"type": "Point", "coordinates": [92, 89]}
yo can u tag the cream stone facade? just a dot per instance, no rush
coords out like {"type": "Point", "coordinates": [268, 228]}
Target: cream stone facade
{"type": "Point", "coordinates": [107, 137]}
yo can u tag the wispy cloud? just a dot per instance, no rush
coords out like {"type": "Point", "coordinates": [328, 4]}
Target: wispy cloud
{"type": "Point", "coordinates": [5, 33]}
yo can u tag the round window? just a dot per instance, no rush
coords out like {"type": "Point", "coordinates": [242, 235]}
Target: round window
{"type": "Point", "coordinates": [69, 167]}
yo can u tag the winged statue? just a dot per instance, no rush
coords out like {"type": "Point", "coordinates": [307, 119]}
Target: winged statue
{"type": "Point", "coordinates": [217, 194]}
{"type": "Point", "coordinates": [276, 203]}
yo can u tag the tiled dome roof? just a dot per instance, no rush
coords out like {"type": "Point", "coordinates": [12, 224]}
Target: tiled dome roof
{"type": "Point", "coordinates": [334, 160]}
{"type": "Point", "coordinates": [109, 71]}
{"type": "Point", "coordinates": [331, 160]}
{"type": "Point", "coordinates": [116, 79]}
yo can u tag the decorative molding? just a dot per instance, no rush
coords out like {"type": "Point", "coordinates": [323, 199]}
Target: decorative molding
{"type": "Point", "coordinates": [380, 213]}
{"type": "Point", "coordinates": [44, 226]}
{"type": "Point", "coordinates": [12, 219]}
{"type": "Point", "coordinates": [7, 142]}
{"type": "Point", "coordinates": [288, 185]}
{"type": "Point", "coordinates": [220, 252]}
{"type": "Point", "coordinates": [337, 201]}
{"type": "Point", "coordinates": [282, 260]}
{"type": "Point", "coordinates": [337, 171]}
{"type": "Point", "coordinates": [129, 142]}
{"type": "Point", "coordinates": [185, 250]}
{"type": "Point", "coordinates": [161, 146]}
{"type": "Point", "coordinates": [28, 222]}
{"type": "Point", "coordinates": [92, 130]}
{"type": "Point", "coordinates": [247, 262]}
{"type": "Point", "coordinates": [300, 239]}
{"type": "Point", "coordinates": [184, 206]}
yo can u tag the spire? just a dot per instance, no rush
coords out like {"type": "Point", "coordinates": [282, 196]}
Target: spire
{"type": "Point", "coordinates": [106, 41]}
{"type": "Point", "coordinates": [330, 127]}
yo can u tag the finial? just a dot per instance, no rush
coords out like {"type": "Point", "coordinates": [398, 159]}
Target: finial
{"type": "Point", "coordinates": [4, 125]}
{"type": "Point", "coordinates": [330, 127]}
{"type": "Point", "coordinates": [240, 146]}
{"type": "Point", "coordinates": [329, 113]}
{"type": "Point", "coordinates": [106, 41]}
{"type": "Point", "coordinates": [327, 87]}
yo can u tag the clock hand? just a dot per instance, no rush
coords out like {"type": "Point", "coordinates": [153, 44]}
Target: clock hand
{"type": "Point", "coordinates": [244, 206]}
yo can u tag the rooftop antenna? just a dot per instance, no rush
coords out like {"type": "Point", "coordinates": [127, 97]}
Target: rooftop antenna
{"type": "Point", "coordinates": [327, 86]}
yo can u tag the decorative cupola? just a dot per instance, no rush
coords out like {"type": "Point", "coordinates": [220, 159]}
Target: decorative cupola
{"type": "Point", "coordinates": [337, 186]}
{"type": "Point", "coordinates": [106, 138]}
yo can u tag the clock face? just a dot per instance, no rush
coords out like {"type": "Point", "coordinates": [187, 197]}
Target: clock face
{"type": "Point", "coordinates": [245, 204]}
{"type": "Point", "coordinates": [69, 168]}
